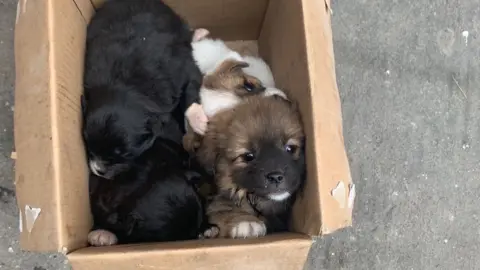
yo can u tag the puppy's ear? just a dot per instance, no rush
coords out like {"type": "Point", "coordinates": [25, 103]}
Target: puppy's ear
{"type": "Point", "coordinates": [232, 66]}
{"type": "Point", "coordinates": [291, 103]}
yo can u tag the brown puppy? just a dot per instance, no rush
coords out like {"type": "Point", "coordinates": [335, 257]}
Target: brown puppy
{"type": "Point", "coordinates": [256, 151]}
{"type": "Point", "coordinates": [223, 89]}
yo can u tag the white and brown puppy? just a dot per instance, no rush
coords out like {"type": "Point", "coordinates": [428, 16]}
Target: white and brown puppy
{"type": "Point", "coordinates": [257, 152]}
{"type": "Point", "coordinates": [222, 89]}
{"type": "Point", "coordinates": [226, 77]}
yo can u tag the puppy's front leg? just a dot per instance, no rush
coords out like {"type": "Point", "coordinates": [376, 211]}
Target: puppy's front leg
{"type": "Point", "coordinates": [232, 221]}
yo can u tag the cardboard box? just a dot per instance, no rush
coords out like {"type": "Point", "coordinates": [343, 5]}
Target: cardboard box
{"type": "Point", "coordinates": [294, 36]}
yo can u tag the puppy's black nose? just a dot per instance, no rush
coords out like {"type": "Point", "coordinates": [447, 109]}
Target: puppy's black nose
{"type": "Point", "coordinates": [275, 177]}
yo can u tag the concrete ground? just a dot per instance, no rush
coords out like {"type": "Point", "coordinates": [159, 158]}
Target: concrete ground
{"type": "Point", "coordinates": [409, 80]}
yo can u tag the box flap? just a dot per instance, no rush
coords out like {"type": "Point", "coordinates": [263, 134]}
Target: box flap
{"type": "Point", "coordinates": [278, 252]}
{"type": "Point", "coordinates": [286, 38]}
{"type": "Point", "coordinates": [49, 41]}
{"type": "Point", "coordinates": [335, 187]}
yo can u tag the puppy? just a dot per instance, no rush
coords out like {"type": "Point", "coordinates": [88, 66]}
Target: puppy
{"type": "Point", "coordinates": [223, 89]}
{"type": "Point", "coordinates": [154, 200]}
{"type": "Point", "coordinates": [256, 150]}
{"type": "Point", "coordinates": [140, 82]}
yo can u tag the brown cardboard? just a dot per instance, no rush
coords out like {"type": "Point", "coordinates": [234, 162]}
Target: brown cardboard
{"type": "Point", "coordinates": [51, 172]}
{"type": "Point", "coordinates": [276, 252]}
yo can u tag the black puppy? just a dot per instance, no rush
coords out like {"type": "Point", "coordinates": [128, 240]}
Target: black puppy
{"type": "Point", "coordinates": [140, 79]}
{"type": "Point", "coordinates": [154, 200]}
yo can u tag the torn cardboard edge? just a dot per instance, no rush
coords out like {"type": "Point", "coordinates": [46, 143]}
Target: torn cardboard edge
{"type": "Point", "coordinates": [344, 197]}
{"type": "Point", "coordinates": [31, 215]}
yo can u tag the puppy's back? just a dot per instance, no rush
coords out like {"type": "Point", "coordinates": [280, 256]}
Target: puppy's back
{"type": "Point", "coordinates": [172, 210]}
{"type": "Point", "coordinates": [130, 42]}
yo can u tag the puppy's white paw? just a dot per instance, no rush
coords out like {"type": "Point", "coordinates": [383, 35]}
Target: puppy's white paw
{"type": "Point", "coordinates": [101, 238]}
{"type": "Point", "coordinates": [211, 232]}
{"type": "Point", "coordinates": [248, 229]}
{"type": "Point", "coordinates": [197, 118]}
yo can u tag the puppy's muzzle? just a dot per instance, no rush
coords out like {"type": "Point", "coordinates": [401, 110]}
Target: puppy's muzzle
{"type": "Point", "coordinates": [275, 177]}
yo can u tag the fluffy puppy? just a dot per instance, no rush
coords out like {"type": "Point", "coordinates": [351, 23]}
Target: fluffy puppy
{"type": "Point", "coordinates": [154, 200]}
{"type": "Point", "coordinates": [140, 81]}
{"type": "Point", "coordinates": [256, 150]}
{"type": "Point", "coordinates": [223, 89]}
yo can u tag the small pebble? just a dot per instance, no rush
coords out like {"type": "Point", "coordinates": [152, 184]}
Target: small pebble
{"type": "Point", "coordinates": [10, 249]}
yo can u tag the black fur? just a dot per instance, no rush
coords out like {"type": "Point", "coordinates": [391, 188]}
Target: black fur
{"type": "Point", "coordinates": [154, 200]}
{"type": "Point", "coordinates": [139, 79]}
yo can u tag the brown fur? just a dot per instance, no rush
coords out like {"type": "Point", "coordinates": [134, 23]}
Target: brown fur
{"type": "Point", "coordinates": [228, 76]}
{"type": "Point", "coordinates": [229, 135]}
{"type": "Point", "coordinates": [225, 214]}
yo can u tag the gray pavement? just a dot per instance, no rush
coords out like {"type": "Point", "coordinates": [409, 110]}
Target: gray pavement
{"type": "Point", "coordinates": [409, 79]}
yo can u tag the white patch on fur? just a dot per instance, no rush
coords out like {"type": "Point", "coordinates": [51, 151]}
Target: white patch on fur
{"type": "Point", "coordinates": [212, 232]}
{"type": "Point", "coordinates": [96, 167]}
{"type": "Point", "coordinates": [258, 68]}
{"type": "Point", "coordinates": [209, 53]}
{"type": "Point", "coordinates": [272, 91]}
{"type": "Point", "coordinates": [279, 196]}
{"type": "Point", "coordinates": [216, 100]}
{"type": "Point", "coordinates": [248, 229]}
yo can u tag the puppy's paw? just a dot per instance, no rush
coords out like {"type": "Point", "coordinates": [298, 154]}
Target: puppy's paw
{"type": "Point", "coordinates": [199, 34]}
{"type": "Point", "coordinates": [197, 118]}
{"type": "Point", "coordinates": [248, 229]}
{"type": "Point", "coordinates": [212, 232]}
{"type": "Point", "coordinates": [101, 238]}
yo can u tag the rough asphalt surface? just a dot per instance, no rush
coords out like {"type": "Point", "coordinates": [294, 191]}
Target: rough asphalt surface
{"type": "Point", "coordinates": [409, 79]}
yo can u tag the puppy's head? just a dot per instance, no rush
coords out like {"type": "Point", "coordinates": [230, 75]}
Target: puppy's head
{"type": "Point", "coordinates": [229, 76]}
{"type": "Point", "coordinates": [263, 151]}
{"type": "Point", "coordinates": [114, 134]}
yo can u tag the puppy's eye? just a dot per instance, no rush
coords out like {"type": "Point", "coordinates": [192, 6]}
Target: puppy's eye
{"type": "Point", "coordinates": [117, 151]}
{"type": "Point", "coordinates": [248, 86]}
{"type": "Point", "coordinates": [290, 148]}
{"type": "Point", "coordinates": [247, 157]}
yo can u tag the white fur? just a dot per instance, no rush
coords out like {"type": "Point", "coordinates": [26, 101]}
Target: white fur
{"type": "Point", "coordinates": [216, 100]}
{"type": "Point", "coordinates": [248, 229]}
{"type": "Point", "coordinates": [96, 167]}
{"type": "Point", "coordinates": [258, 68]}
{"type": "Point", "coordinates": [209, 53]}
{"type": "Point", "coordinates": [271, 91]}
{"type": "Point", "coordinates": [279, 196]}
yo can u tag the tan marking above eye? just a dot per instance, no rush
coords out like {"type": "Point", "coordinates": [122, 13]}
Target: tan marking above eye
{"type": "Point", "coordinates": [294, 142]}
